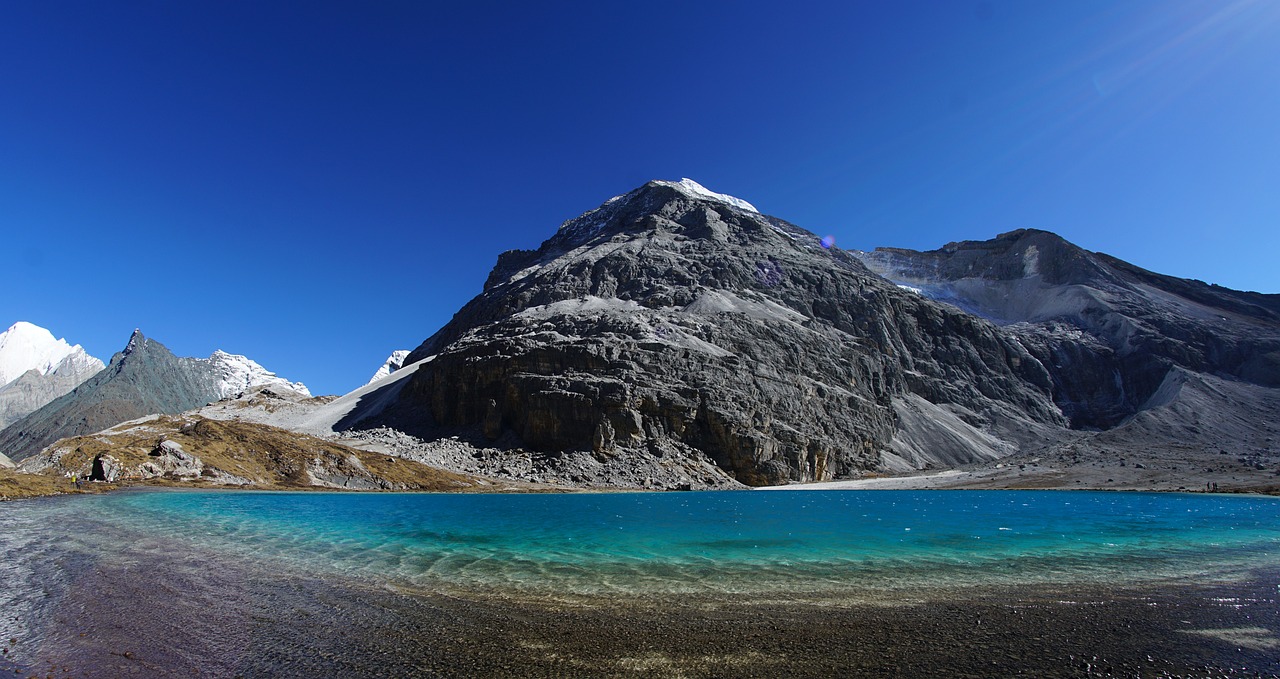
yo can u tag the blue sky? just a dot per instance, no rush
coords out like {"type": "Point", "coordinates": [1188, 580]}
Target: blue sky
{"type": "Point", "coordinates": [316, 184]}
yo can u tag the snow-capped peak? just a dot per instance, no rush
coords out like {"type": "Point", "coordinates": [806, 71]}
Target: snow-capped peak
{"type": "Point", "coordinates": [590, 223]}
{"type": "Point", "coordinates": [237, 374]}
{"type": "Point", "coordinates": [26, 346]}
{"type": "Point", "coordinates": [695, 190]}
{"type": "Point", "coordinates": [394, 362]}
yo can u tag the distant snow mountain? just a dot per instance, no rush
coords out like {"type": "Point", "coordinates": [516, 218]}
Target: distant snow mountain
{"type": "Point", "coordinates": [237, 374]}
{"type": "Point", "coordinates": [145, 378]}
{"type": "Point", "coordinates": [26, 346]}
{"type": "Point", "coordinates": [393, 363]}
{"type": "Point", "coordinates": [35, 369]}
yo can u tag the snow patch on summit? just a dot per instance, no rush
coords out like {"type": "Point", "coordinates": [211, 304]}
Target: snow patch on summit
{"type": "Point", "coordinates": [695, 190]}
{"type": "Point", "coordinates": [589, 223]}
{"type": "Point", "coordinates": [237, 374]}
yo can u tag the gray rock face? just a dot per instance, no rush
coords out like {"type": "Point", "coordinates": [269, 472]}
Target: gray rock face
{"type": "Point", "coordinates": [105, 468]}
{"type": "Point", "coordinates": [169, 459]}
{"type": "Point", "coordinates": [1107, 331]}
{"type": "Point", "coordinates": [665, 324]}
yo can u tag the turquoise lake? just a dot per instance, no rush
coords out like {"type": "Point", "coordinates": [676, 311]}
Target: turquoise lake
{"type": "Point", "coordinates": [662, 543]}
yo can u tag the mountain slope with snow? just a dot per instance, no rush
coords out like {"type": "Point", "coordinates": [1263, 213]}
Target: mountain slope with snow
{"type": "Point", "coordinates": [35, 369]}
{"type": "Point", "coordinates": [695, 190]}
{"type": "Point", "coordinates": [145, 378]}
{"type": "Point", "coordinates": [673, 330]}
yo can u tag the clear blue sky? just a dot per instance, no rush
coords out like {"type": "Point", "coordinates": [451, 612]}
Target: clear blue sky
{"type": "Point", "coordinates": [315, 184]}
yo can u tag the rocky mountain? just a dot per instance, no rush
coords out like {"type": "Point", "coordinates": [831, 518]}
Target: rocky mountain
{"type": "Point", "coordinates": [677, 334]}
{"type": "Point", "coordinates": [393, 363]}
{"type": "Point", "coordinates": [676, 337]}
{"type": "Point", "coordinates": [1107, 331]}
{"type": "Point", "coordinates": [35, 368]}
{"type": "Point", "coordinates": [675, 325]}
{"type": "Point", "coordinates": [143, 379]}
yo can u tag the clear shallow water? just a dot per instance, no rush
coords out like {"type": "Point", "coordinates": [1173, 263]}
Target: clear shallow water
{"type": "Point", "coordinates": [793, 542]}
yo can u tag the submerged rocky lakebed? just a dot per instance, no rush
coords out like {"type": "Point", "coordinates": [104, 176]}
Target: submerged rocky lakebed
{"type": "Point", "coordinates": [717, 583]}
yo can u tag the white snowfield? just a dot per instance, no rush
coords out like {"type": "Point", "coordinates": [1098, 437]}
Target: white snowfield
{"type": "Point", "coordinates": [26, 346]}
{"type": "Point", "coordinates": [239, 373]}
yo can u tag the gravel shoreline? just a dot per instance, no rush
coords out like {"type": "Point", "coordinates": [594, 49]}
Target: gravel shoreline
{"type": "Point", "coordinates": [113, 620]}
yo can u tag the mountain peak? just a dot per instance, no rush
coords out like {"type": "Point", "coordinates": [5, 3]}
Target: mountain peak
{"type": "Point", "coordinates": [136, 341]}
{"type": "Point", "coordinates": [646, 198]}
{"type": "Point", "coordinates": [35, 368]}
{"type": "Point", "coordinates": [393, 363]}
{"type": "Point", "coordinates": [237, 374]}
{"type": "Point", "coordinates": [695, 190]}
{"type": "Point", "coordinates": [27, 346]}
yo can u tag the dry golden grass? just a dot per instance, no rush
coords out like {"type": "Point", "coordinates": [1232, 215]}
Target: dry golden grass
{"type": "Point", "coordinates": [268, 457]}
{"type": "Point", "coordinates": [14, 486]}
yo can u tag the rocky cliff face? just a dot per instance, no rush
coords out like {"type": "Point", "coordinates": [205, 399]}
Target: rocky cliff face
{"type": "Point", "coordinates": [1108, 332]}
{"type": "Point", "coordinates": [673, 323]}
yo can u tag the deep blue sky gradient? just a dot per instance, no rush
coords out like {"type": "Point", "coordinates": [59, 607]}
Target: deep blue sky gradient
{"type": "Point", "coordinates": [316, 184]}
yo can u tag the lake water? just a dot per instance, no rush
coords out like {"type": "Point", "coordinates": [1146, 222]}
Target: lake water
{"type": "Point", "coordinates": [312, 584]}
{"type": "Point", "coordinates": [680, 542]}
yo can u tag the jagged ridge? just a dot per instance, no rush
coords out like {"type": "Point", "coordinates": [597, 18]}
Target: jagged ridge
{"type": "Point", "coordinates": [1108, 331]}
